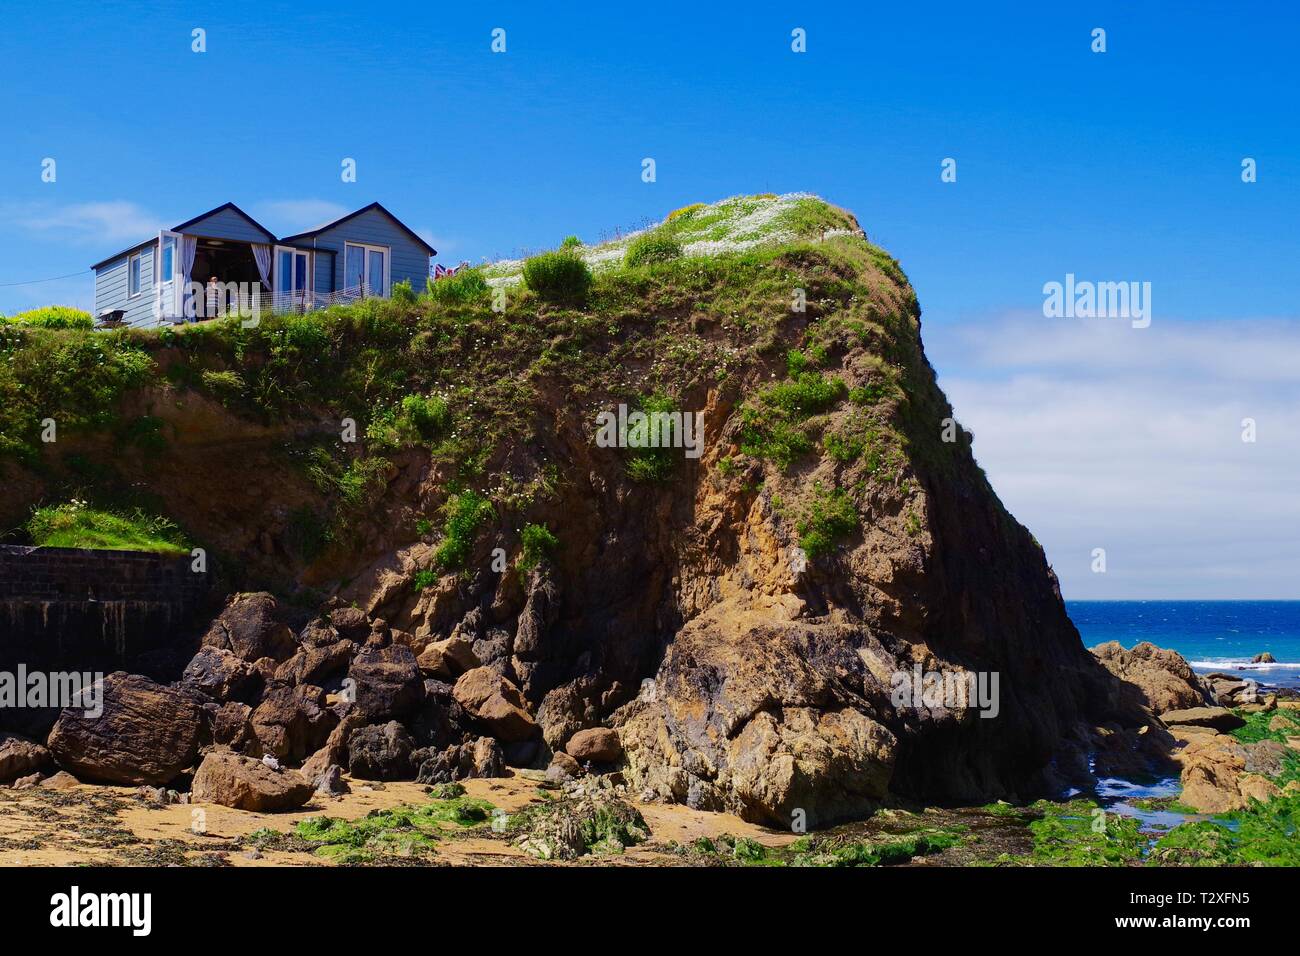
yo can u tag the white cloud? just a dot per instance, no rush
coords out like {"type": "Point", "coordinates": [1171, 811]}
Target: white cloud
{"type": "Point", "coordinates": [1096, 434]}
{"type": "Point", "coordinates": [102, 223]}
{"type": "Point", "coordinates": [286, 216]}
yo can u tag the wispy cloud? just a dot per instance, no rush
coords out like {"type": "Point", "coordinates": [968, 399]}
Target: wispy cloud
{"type": "Point", "coordinates": [1097, 435]}
{"type": "Point", "coordinates": [285, 216]}
{"type": "Point", "coordinates": [106, 223]}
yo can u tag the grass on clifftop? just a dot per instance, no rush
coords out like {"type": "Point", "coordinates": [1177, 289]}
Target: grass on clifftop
{"type": "Point", "coordinates": [74, 525]}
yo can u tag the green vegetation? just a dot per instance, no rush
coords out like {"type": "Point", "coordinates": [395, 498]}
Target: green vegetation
{"type": "Point", "coordinates": [830, 515]}
{"type": "Point", "coordinates": [413, 420]}
{"type": "Point", "coordinates": [649, 440]}
{"type": "Point", "coordinates": [53, 317]}
{"type": "Point", "coordinates": [1257, 726]}
{"type": "Point", "coordinates": [1080, 833]}
{"type": "Point", "coordinates": [825, 849]}
{"type": "Point", "coordinates": [537, 543]}
{"type": "Point", "coordinates": [774, 423]}
{"type": "Point", "coordinates": [567, 828]}
{"type": "Point", "coordinates": [465, 513]}
{"type": "Point", "coordinates": [560, 277]}
{"type": "Point", "coordinates": [76, 525]}
{"type": "Point", "coordinates": [402, 831]}
{"type": "Point", "coordinates": [1263, 834]}
{"type": "Point", "coordinates": [651, 247]}
{"type": "Point", "coordinates": [459, 288]}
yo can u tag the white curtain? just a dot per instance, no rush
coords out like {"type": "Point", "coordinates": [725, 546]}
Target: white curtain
{"type": "Point", "coordinates": [262, 253]}
{"type": "Point", "coordinates": [188, 246]}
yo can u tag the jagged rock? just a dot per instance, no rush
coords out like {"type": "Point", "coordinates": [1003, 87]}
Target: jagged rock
{"type": "Point", "coordinates": [228, 725]}
{"type": "Point", "coordinates": [447, 659]}
{"type": "Point", "coordinates": [351, 623]}
{"type": "Point", "coordinates": [1266, 757]}
{"type": "Point", "coordinates": [147, 733]}
{"type": "Point", "coordinates": [388, 682]}
{"type": "Point", "coordinates": [319, 632]}
{"type": "Point", "coordinates": [562, 713]}
{"type": "Point", "coordinates": [493, 649]}
{"type": "Point", "coordinates": [335, 750]}
{"type": "Point", "coordinates": [244, 783]}
{"type": "Point", "coordinates": [1219, 718]}
{"type": "Point", "coordinates": [292, 722]}
{"type": "Point", "coordinates": [597, 745]}
{"type": "Point", "coordinates": [478, 758]}
{"type": "Point", "coordinates": [217, 673]}
{"type": "Point", "coordinates": [1160, 680]}
{"type": "Point", "coordinates": [316, 664]}
{"type": "Point", "coordinates": [441, 722]}
{"type": "Point", "coordinates": [1229, 691]}
{"type": "Point", "coordinates": [1263, 658]}
{"type": "Point", "coordinates": [20, 757]}
{"type": "Point", "coordinates": [380, 752]}
{"type": "Point", "coordinates": [331, 783]}
{"type": "Point", "coordinates": [31, 780]}
{"type": "Point", "coordinates": [496, 703]}
{"type": "Point", "coordinates": [249, 627]}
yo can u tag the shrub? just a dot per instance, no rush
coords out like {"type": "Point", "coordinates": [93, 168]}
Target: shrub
{"type": "Point", "coordinates": [465, 513]}
{"type": "Point", "coordinates": [414, 418]}
{"type": "Point", "coordinates": [652, 247]}
{"type": "Point", "coordinates": [684, 211]}
{"type": "Point", "coordinates": [538, 542]}
{"type": "Point", "coordinates": [76, 525]}
{"type": "Point", "coordinates": [468, 285]}
{"type": "Point", "coordinates": [830, 515]}
{"type": "Point", "coordinates": [227, 386]}
{"type": "Point", "coordinates": [649, 462]}
{"type": "Point", "coordinates": [56, 317]}
{"type": "Point", "coordinates": [559, 277]}
{"type": "Point", "coordinates": [571, 242]}
{"type": "Point", "coordinates": [402, 292]}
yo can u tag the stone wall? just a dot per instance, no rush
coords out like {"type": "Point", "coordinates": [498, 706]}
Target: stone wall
{"type": "Point", "coordinates": [73, 608]}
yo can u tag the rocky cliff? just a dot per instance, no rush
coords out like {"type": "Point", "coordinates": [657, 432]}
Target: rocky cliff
{"type": "Point", "coordinates": [745, 619]}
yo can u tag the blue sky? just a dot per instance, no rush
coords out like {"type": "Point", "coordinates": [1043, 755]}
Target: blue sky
{"type": "Point", "coordinates": [1115, 166]}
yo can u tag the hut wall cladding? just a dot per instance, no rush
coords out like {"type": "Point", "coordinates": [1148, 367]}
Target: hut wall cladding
{"type": "Point", "coordinates": [73, 608]}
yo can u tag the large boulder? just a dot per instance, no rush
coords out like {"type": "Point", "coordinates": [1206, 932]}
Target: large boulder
{"type": "Point", "coordinates": [496, 703]}
{"type": "Point", "coordinates": [146, 733]}
{"type": "Point", "coordinates": [244, 783]}
{"type": "Point", "coordinates": [228, 725]}
{"type": "Point", "coordinates": [764, 720]}
{"type": "Point", "coordinates": [316, 664]}
{"type": "Point", "coordinates": [388, 683]}
{"type": "Point", "coordinates": [217, 673]}
{"type": "Point", "coordinates": [447, 659]}
{"type": "Point", "coordinates": [482, 757]}
{"type": "Point", "coordinates": [1216, 718]}
{"type": "Point", "coordinates": [1221, 774]}
{"type": "Point", "coordinates": [597, 745]}
{"type": "Point", "coordinates": [291, 723]}
{"type": "Point", "coordinates": [350, 623]}
{"type": "Point", "coordinates": [1158, 679]}
{"type": "Point", "coordinates": [335, 750]}
{"type": "Point", "coordinates": [20, 757]}
{"type": "Point", "coordinates": [250, 628]}
{"type": "Point", "coordinates": [381, 752]}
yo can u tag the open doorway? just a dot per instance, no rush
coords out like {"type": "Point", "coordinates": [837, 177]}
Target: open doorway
{"type": "Point", "coordinates": [227, 261]}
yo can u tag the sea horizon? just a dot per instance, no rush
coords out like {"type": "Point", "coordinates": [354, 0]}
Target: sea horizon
{"type": "Point", "coordinates": [1212, 635]}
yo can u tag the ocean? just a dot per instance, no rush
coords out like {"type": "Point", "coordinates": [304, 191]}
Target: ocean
{"type": "Point", "coordinates": [1212, 635]}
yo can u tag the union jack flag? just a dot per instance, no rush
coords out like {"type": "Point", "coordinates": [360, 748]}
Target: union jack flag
{"type": "Point", "coordinates": [440, 271]}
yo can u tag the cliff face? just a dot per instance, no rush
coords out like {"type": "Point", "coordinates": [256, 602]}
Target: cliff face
{"type": "Point", "coordinates": [746, 618]}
